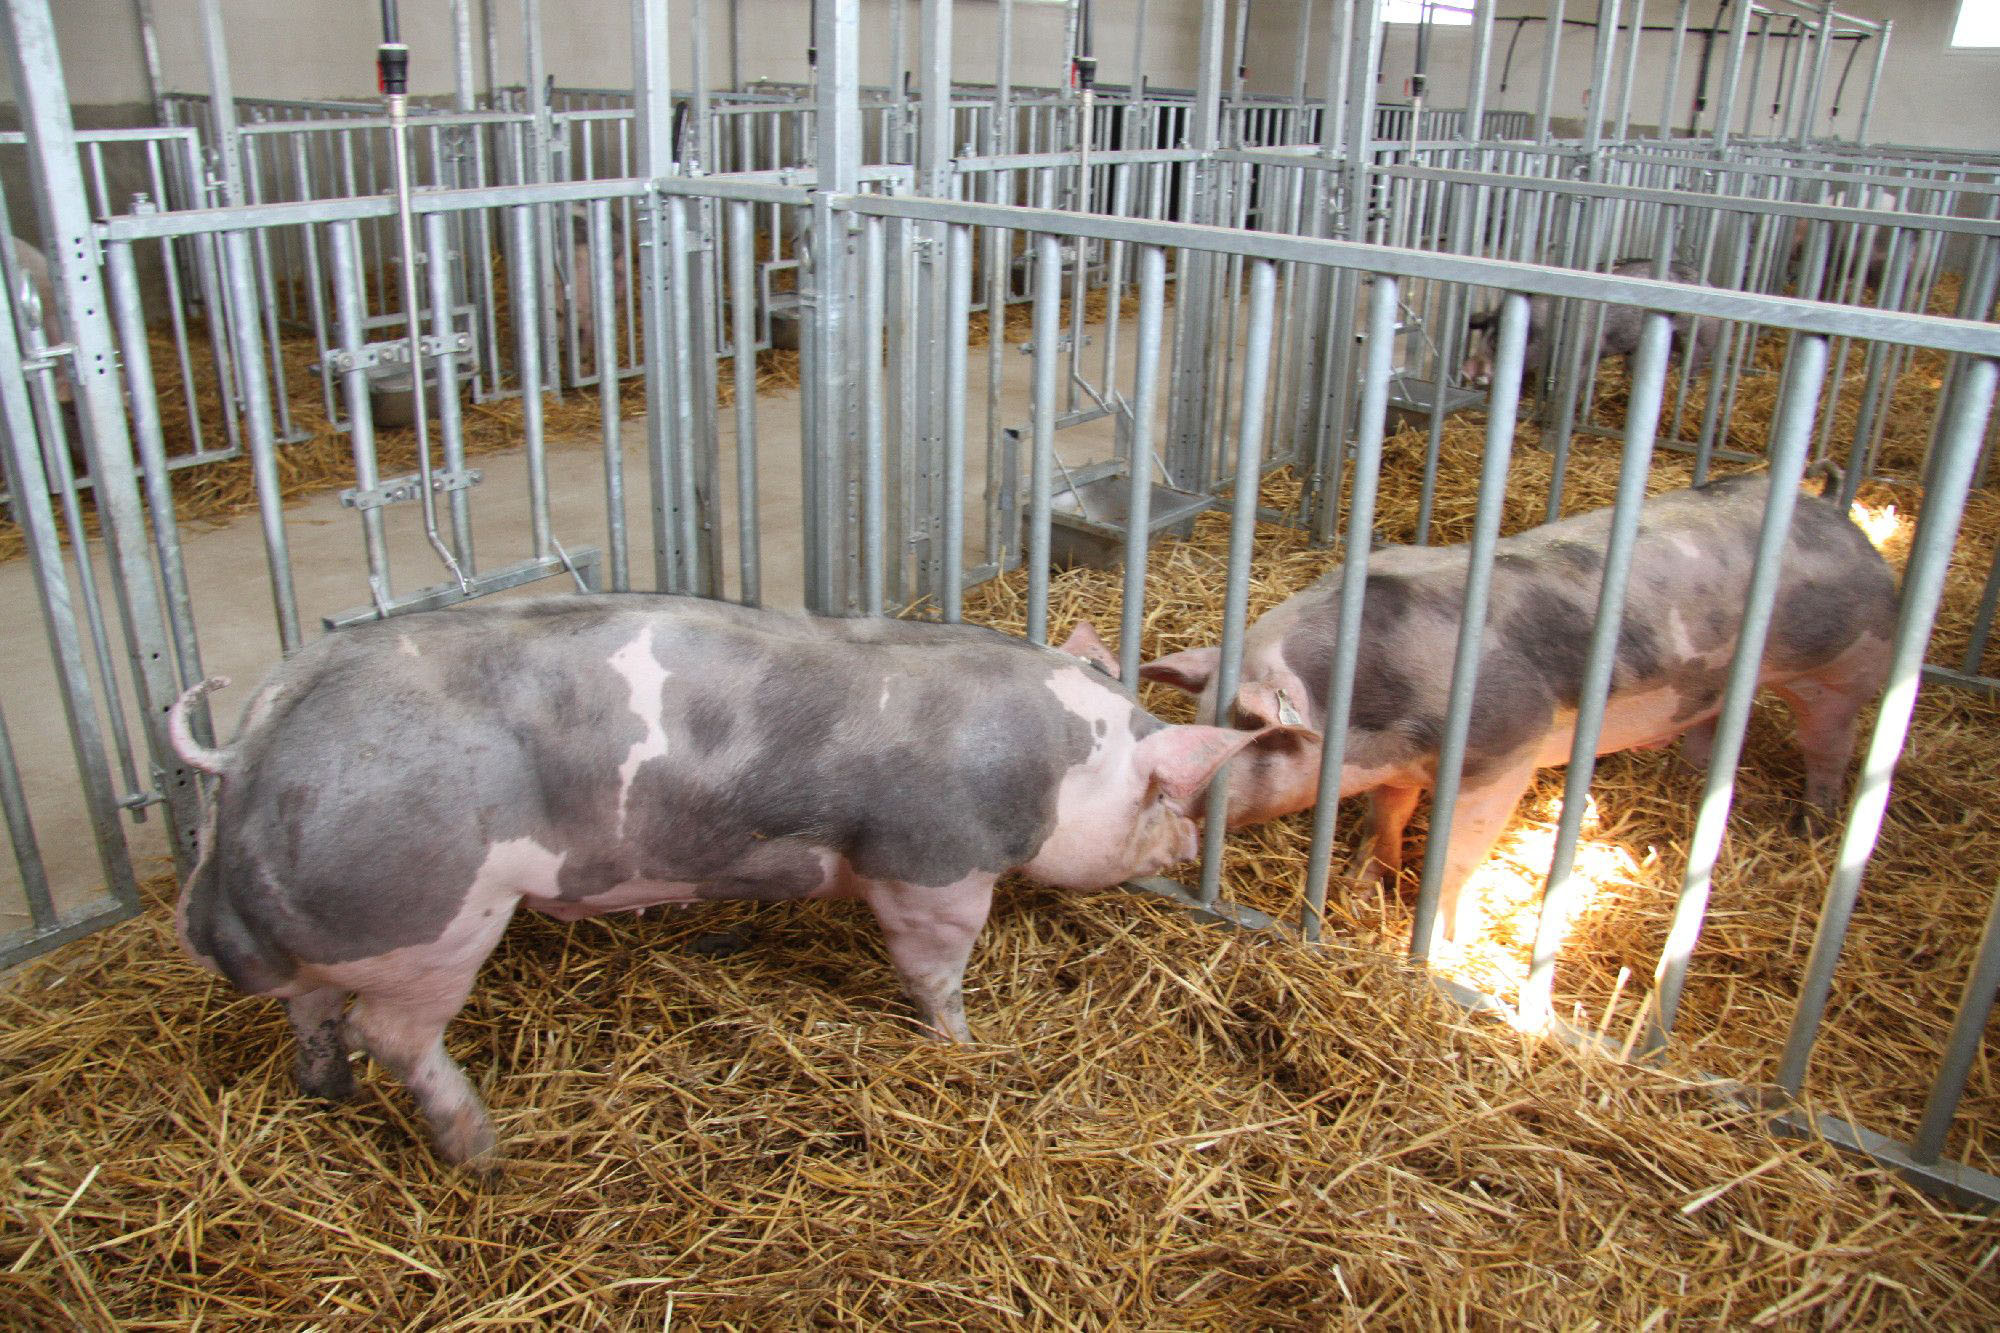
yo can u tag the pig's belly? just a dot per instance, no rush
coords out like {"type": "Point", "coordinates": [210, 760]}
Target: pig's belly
{"type": "Point", "coordinates": [1632, 721]}
{"type": "Point", "coordinates": [638, 893]}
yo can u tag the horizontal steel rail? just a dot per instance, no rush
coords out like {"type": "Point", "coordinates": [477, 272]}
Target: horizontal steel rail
{"type": "Point", "coordinates": [1935, 331]}
{"type": "Point", "coordinates": [1738, 203]}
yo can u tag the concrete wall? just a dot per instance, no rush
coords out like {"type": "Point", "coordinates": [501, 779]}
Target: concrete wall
{"type": "Point", "coordinates": [279, 48]}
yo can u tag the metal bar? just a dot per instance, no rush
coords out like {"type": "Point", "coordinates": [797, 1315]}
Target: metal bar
{"type": "Point", "coordinates": [1242, 536]}
{"type": "Point", "coordinates": [1048, 301]}
{"type": "Point", "coordinates": [222, 103]}
{"type": "Point", "coordinates": [451, 430]}
{"type": "Point", "coordinates": [958, 320]}
{"type": "Point", "coordinates": [1923, 584]}
{"type": "Point", "coordinates": [1145, 408]}
{"type": "Point", "coordinates": [1649, 382]}
{"type": "Point", "coordinates": [23, 475]}
{"type": "Point", "coordinates": [21, 833]}
{"type": "Point", "coordinates": [1382, 312]}
{"type": "Point", "coordinates": [743, 316]}
{"type": "Point", "coordinates": [129, 315]}
{"type": "Point", "coordinates": [1675, 298]}
{"type": "Point", "coordinates": [691, 504]}
{"type": "Point", "coordinates": [1503, 401]}
{"type": "Point", "coordinates": [344, 245]}
{"type": "Point", "coordinates": [528, 368]}
{"type": "Point", "coordinates": [874, 519]}
{"type": "Point", "coordinates": [604, 308]}
{"type": "Point", "coordinates": [1791, 433]}
{"type": "Point", "coordinates": [1968, 1030]}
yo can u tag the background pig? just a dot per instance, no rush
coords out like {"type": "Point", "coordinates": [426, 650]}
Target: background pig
{"type": "Point", "coordinates": [396, 790]}
{"type": "Point", "coordinates": [1826, 655]}
{"type": "Point", "coordinates": [1619, 334]}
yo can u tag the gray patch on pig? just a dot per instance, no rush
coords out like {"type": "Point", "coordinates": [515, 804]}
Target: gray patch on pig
{"type": "Point", "coordinates": [709, 722]}
{"type": "Point", "coordinates": [1811, 621]}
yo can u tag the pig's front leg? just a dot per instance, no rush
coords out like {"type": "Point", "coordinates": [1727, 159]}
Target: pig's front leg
{"type": "Point", "coordinates": [930, 932]}
{"type": "Point", "coordinates": [1379, 859]}
{"type": "Point", "coordinates": [1481, 815]}
{"type": "Point", "coordinates": [1697, 743]}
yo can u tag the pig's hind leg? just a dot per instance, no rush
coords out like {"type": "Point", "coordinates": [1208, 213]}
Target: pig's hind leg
{"type": "Point", "coordinates": [399, 1017]}
{"type": "Point", "coordinates": [930, 933]}
{"type": "Point", "coordinates": [1828, 717]}
{"type": "Point", "coordinates": [321, 1067]}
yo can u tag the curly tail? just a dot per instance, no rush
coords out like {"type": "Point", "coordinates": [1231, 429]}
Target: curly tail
{"type": "Point", "coordinates": [1830, 475]}
{"type": "Point", "coordinates": [192, 751]}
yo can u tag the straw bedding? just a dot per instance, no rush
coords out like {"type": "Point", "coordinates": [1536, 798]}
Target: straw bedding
{"type": "Point", "coordinates": [1164, 1125]}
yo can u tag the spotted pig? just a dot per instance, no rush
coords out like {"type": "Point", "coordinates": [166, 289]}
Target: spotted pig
{"type": "Point", "coordinates": [397, 790]}
{"type": "Point", "coordinates": [1618, 335]}
{"type": "Point", "coordinates": [1826, 655]}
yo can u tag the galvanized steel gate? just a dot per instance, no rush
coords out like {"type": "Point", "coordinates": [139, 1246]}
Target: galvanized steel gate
{"type": "Point", "coordinates": [1270, 221]}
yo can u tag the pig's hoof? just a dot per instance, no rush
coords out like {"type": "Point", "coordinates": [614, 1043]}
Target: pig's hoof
{"type": "Point", "coordinates": [468, 1142]}
{"type": "Point", "coordinates": [330, 1080]}
{"type": "Point", "coordinates": [719, 943]}
{"type": "Point", "coordinates": [1810, 822]}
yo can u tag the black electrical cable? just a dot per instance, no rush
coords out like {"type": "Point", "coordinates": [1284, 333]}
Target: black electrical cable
{"type": "Point", "coordinates": [1845, 70]}
{"type": "Point", "coordinates": [1507, 65]}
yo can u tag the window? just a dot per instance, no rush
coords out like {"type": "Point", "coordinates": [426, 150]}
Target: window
{"type": "Point", "coordinates": [1458, 13]}
{"type": "Point", "coordinates": [1978, 26]}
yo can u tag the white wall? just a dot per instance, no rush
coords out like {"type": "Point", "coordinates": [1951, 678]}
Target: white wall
{"type": "Point", "coordinates": [324, 48]}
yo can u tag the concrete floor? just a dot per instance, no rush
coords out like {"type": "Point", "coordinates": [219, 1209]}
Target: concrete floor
{"type": "Point", "coordinates": [234, 613]}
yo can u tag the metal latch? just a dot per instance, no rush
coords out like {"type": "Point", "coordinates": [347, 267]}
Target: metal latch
{"type": "Point", "coordinates": [399, 489]}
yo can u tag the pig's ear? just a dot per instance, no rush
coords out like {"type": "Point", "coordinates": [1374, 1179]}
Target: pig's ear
{"type": "Point", "coordinates": [1084, 643]}
{"type": "Point", "coordinates": [1482, 321]}
{"type": "Point", "coordinates": [1188, 671]}
{"type": "Point", "coordinates": [1180, 761]}
{"type": "Point", "coordinates": [1261, 706]}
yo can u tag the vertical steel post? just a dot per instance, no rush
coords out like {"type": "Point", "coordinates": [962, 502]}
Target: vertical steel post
{"type": "Point", "coordinates": [1551, 52]}
{"type": "Point", "coordinates": [957, 332]}
{"type": "Point", "coordinates": [1822, 52]}
{"type": "Point", "coordinates": [837, 40]}
{"type": "Point", "coordinates": [1649, 383]}
{"type": "Point", "coordinates": [874, 485]}
{"type": "Point", "coordinates": [1874, 81]}
{"type": "Point", "coordinates": [1671, 89]}
{"type": "Point", "coordinates": [1638, 29]}
{"type": "Point", "coordinates": [1145, 408]}
{"type": "Point", "coordinates": [21, 469]}
{"type": "Point", "coordinates": [1732, 69]}
{"type": "Point", "coordinates": [1504, 399]}
{"type": "Point", "coordinates": [1790, 435]}
{"type": "Point", "coordinates": [1968, 1031]}
{"type": "Point", "coordinates": [62, 206]}
{"type": "Point", "coordinates": [1242, 536]}
{"type": "Point", "coordinates": [1353, 579]}
{"type": "Point", "coordinates": [348, 301]}
{"type": "Point", "coordinates": [603, 303]}
{"type": "Point", "coordinates": [1473, 128]}
{"type": "Point", "coordinates": [743, 318]}
{"type": "Point", "coordinates": [653, 115]}
{"type": "Point", "coordinates": [228, 150]}
{"type": "Point", "coordinates": [1188, 409]}
{"type": "Point", "coordinates": [1923, 586]}
{"type": "Point", "coordinates": [1048, 301]}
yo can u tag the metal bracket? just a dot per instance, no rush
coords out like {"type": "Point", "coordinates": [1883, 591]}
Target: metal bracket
{"type": "Point", "coordinates": [395, 352]}
{"type": "Point", "coordinates": [399, 489]}
{"type": "Point", "coordinates": [1062, 344]}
